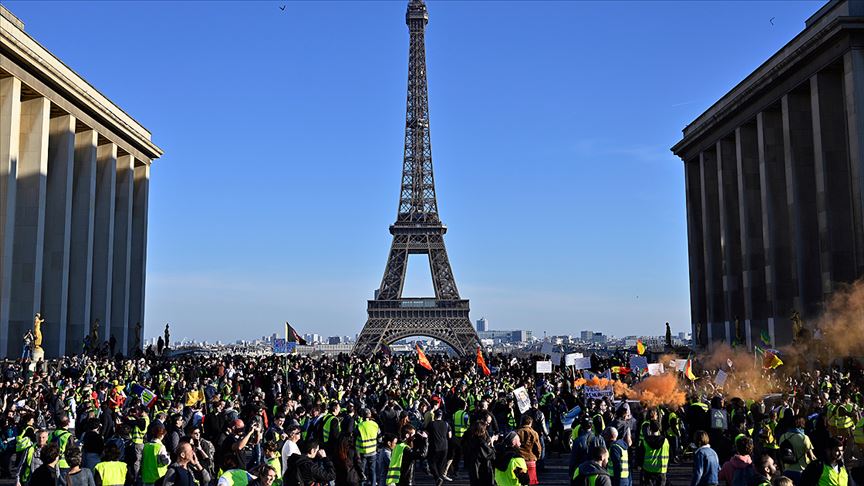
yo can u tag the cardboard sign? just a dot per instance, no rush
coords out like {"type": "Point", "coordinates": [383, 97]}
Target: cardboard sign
{"type": "Point", "coordinates": [546, 348]}
{"type": "Point", "coordinates": [522, 400]}
{"type": "Point", "coordinates": [544, 367]}
{"type": "Point", "coordinates": [656, 369]}
{"type": "Point", "coordinates": [556, 358]}
{"type": "Point", "coordinates": [571, 358]}
{"type": "Point", "coordinates": [721, 377]}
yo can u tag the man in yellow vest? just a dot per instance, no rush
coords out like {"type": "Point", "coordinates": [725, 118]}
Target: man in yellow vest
{"type": "Point", "coordinates": [234, 475]}
{"type": "Point", "coordinates": [139, 422]}
{"type": "Point", "coordinates": [154, 458]}
{"type": "Point", "coordinates": [593, 472]}
{"type": "Point", "coordinates": [655, 457]}
{"type": "Point", "coordinates": [29, 454]}
{"type": "Point", "coordinates": [618, 466]}
{"type": "Point", "coordinates": [61, 437]}
{"type": "Point", "coordinates": [111, 471]}
{"type": "Point", "coordinates": [460, 426]}
{"type": "Point", "coordinates": [367, 434]}
{"type": "Point", "coordinates": [830, 471]}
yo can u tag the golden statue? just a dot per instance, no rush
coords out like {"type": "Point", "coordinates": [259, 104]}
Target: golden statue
{"type": "Point", "coordinates": [797, 325]}
{"type": "Point", "coordinates": [38, 352]}
{"type": "Point", "coordinates": [37, 330]}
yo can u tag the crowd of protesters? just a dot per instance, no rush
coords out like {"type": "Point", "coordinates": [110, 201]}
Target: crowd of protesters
{"type": "Point", "coordinates": [380, 420]}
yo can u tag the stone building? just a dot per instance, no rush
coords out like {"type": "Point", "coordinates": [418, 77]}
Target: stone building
{"type": "Point", "coordinates": [774, 175]}
{"type": "Point", "coordinates": [74, 180]}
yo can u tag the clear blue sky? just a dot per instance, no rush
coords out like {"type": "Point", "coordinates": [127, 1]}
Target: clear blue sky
{"type": "Point", "coordinates": [283, 132]}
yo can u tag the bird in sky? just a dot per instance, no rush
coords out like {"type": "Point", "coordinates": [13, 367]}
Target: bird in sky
{"type": "Point", "coordinates": [771, 20]}
{"type": "Point", "coordinates": [282, 8]}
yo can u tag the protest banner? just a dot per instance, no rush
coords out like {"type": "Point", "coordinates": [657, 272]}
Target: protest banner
{"type": "Point", "coordinates": [656, 369]}
{"type": "Point", "coordinates": [544, 367]}
{"type": "Point", "coordinates": [570, 359]}
{"type": "Point", "coordinates": [522, 400]}
{"type": "Point", "coordinates": [721, 377]}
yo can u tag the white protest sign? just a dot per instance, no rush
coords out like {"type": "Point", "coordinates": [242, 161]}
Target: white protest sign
{"type": "Point", "coordinates": [681, 365]}
{"type": "Point", "coordinates": [570, 359]}
{"type": "Point", "coordinates": [655, 369]}
{"type": "Point", "coordinates": [522, 400]}
{"type": "Point", "coordinates": [720, 379]}
{"type": "Point", "coordinates": [544, 367]}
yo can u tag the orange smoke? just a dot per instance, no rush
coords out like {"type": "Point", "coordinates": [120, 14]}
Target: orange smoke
{"type": "Point", "coordinates": [841, 323]}
{"type": "Point", "coordinates": [658, 390]}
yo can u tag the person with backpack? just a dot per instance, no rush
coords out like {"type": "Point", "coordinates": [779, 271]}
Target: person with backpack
{"type": "Point", "coordinates": [739, 471]}
{"type": "Point", "coordinates": [830, 470]}
{"type": "Point", "coordinates": [61, 437]}
{"type": "Point", "coordinates": [796, 450]}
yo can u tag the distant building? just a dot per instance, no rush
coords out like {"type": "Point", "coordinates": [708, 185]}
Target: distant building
{"type": "Point", "coordinates": [599, 338]}
{"type": "Point", "coordinates": [334, 340]}
{"type": "Point", "coordinates": [482, 325]}
{"type": "Point", "coordinates": [587, 336]}
{"type": "Point", "coordinates": [498, 336]}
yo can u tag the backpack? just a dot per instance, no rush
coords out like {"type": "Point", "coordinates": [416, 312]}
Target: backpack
{"type": "Point", "coordinates": [787, 451]}
{"type": "Point", "coordinates": [743, 477]}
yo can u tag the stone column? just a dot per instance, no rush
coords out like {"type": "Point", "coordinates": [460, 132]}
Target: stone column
{"type": "Point", "coordinates": [103, 237]}
{"type": "Point", "coordinates": [752, 248]}
{"type": "Point", "coordinates": [853, 87]}
{"type": "Point", "coordinates": [29, 218]}
{"type": "Point", "coordinates": [120, 326]}
{"type": "Point", "coordinates": [58, 223]}
{"type": "Point", "coordinates": [775, 218]}
{"type": "Point", "coordinates": [138, 264]}
{"type": "Point", "coordinates": [730, 231]}
{"type": "Point", "coordinates": [10, 123]}
{"type": "Point", "coordinates": [801, 196]}
{"type": "Point", "coordinates": [81, 244]}
{"type": "Point", "coordinates": [696, 252]}
{"type": "Point", "coordinates": [833, 179]}
{"type": "Point", "coordinates": [713, 252]}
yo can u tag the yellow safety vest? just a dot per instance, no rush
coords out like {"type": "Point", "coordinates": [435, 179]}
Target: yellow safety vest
{"type": "Point", "coordinates": [62, 438]}
{"type": "Point", "coordinates": [858, 433]}
{"type": "Point", "coordinates": [367, 437]}
{"type": "Point", "coordinates": [112, 473]}
{"type": "Point", "coordinates": [328, 421]}
{"type": "Point", "coordinates": [276, 463]}
{"type": "Point", "coordinates": [508, 476]}
{"type": "Point", "coordinates": [830, 477]}
{"type": "Point", "coordinates": [460, 423]}
{"type": "Point", "coordinates": [235, 477]}
{"type": "Point", "coordinates": [656, 460]}
{"type": "Point", "coordinates": [151, 470]}
{"type": "Point", "coordinates": [137, 433]}
{"type": "Point", "coordinates": [394, 470]}
{"type": "Point", "coordinates": [625, 466]}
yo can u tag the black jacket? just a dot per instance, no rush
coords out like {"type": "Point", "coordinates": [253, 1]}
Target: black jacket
{"type": "Point", "coordinates": [479, 454]}
{"type": "Point", "coordinates": [591, 468]}
{"type": "Point", "coordinates": [300, 470]}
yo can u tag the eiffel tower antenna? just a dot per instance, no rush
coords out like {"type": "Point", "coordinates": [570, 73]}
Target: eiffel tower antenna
{"type": "Point", "coordinates": [418, 230]}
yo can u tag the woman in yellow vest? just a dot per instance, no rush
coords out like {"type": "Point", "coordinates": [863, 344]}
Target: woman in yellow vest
{"type": "Point", "coordinates": [273, 458]}
{"type": "Point", "coordinates": [154, 458]}
{"type": "Point", "coordinates": [510, 469]}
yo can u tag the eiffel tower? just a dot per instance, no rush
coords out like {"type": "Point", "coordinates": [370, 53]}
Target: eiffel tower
{"type": "Point", "coordinates": [418, 230]}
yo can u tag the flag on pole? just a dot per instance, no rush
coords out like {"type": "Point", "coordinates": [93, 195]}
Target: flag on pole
{"type": "Point", "coordinates": [422, 360]}
{"type": "Point", "coordinates": [771, 360]}
{"type": "Point", "coordinates": [291, 335]}
{"type": "Point", "coordinates": [640, 348]}
{"type": "Point", "coordinates": [688, 370]}
{"type": "Point", "coordinates": [765, 337]}
{"type": "Point", "coordinates": [482, 362]}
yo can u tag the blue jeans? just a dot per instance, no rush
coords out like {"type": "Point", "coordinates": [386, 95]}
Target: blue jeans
{"type": "Point", "coordinates": [370, 469]}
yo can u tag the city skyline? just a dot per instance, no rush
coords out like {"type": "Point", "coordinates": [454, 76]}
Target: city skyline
{"type": "Point", "coordinates": [307, 246]}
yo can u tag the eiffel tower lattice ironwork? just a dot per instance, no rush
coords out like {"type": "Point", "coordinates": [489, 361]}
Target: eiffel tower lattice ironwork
{"type": "Point", "coordinates": [418, 230]}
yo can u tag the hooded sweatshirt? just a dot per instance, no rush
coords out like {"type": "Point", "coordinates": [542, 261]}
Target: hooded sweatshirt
{"type": "Point", "coordinates": [737, 470]}
{"type": "Point", "coordinates": [591, 468]}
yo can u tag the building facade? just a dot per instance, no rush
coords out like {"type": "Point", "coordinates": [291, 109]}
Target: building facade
{"type": "Point", "coordinates": [482, 324]}
{"type": "Point", "coordinates": [774, 175]}
{"type": "Point", "coordinates": [74, 183]}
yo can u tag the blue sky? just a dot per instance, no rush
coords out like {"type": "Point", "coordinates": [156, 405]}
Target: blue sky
{"type": "Point", "coordinates": [283, 131]}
